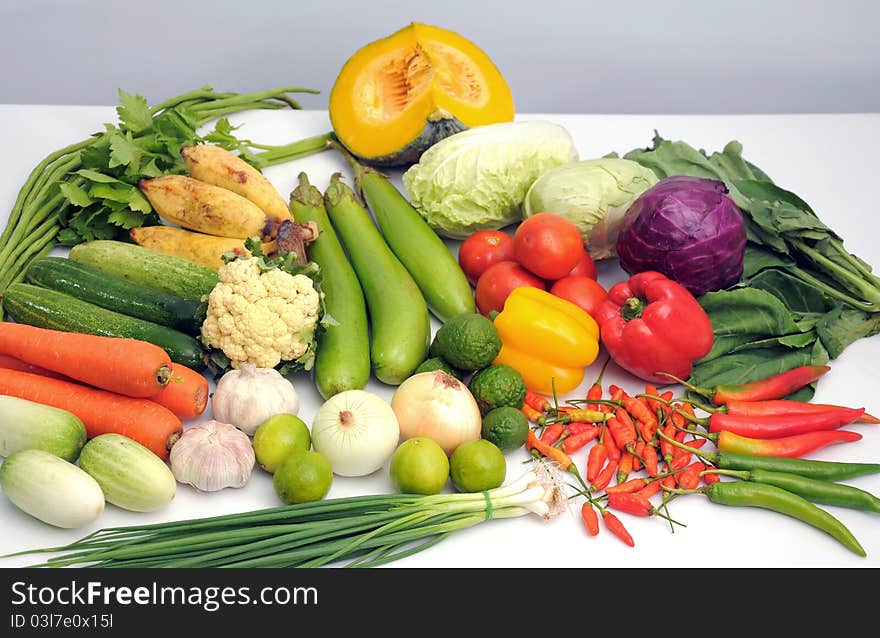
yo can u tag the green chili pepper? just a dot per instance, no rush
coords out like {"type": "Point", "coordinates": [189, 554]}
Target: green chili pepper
{"type": "Point", "coordinates": [747, 494]}
{"type": "Point", "coordinates": [822, 470]}
{"type": "Point", "coordinates": [814, 490]}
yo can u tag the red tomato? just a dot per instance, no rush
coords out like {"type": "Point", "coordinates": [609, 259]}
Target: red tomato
{"type": "Point", "coordinates": [481, 250]}
{"type": "Point", "coordinates": [497, 282]}
{"type": "Point", "coordinates": [582, 291]}
{"type": "Point", "coordinates": [585, 267]}
{"type": "Point", "coordinates": [548, 245]}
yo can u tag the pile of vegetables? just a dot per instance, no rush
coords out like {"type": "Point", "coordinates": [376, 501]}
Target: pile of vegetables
{"type": "Point", "coordinates": [187, 263]}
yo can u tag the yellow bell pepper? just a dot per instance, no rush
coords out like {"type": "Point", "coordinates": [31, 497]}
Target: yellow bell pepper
{"type": "Point", "coordinates": [546, 338]}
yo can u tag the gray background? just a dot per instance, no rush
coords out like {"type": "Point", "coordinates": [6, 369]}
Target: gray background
{"type": "Point", "coordinates": [627, 56]}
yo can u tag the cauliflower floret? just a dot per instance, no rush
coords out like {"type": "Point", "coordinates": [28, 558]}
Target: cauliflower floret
{"type": "Point", "coordinates": [260, 316]}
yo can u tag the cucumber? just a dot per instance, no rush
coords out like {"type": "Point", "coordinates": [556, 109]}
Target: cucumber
{"type": "Point", "coordinates": [28, 425]}
{"type": "Point", "coordinates": [399, 320]}
{"type": "Point", "coordinates": [342, 359]}
{"type": "Point", "coordinates": [147, 267]}
{"type": "Point", "coordinates": [46, 308]}
{"type": "Point", "coordinates": [433, 267]}
{"type": "Point", "coordinates": [116, 293]}
{"type": "Point", "coordinates": [130, 475]}
{"type": "Point", "coordinates": [51, 489]}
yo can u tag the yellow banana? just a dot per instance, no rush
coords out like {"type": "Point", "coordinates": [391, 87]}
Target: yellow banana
{"type": "Point", "coordinates": [206, 208]}
{"type": "Point", "coordinates": [202, 249]}
{"type": "Point", "coordinates": [215, 165]}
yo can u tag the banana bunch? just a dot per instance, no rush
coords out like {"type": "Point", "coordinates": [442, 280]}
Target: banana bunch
{"type": "Point", "coordinates": [221, 202]}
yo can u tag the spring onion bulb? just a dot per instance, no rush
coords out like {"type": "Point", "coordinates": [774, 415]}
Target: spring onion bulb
{"type": "Point", "coordinates": [361, 531]}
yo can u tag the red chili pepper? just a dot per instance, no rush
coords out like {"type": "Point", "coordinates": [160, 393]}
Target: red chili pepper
{"type": "Point", "coordinates": [624, 467]}
{"type": "Point", "coordinates": [552, 433]}
{"type": "Point", "coordinates": [552, 453]}
{"type": "Point", "coordinates": [595, 391]}
{"type": "Point", "coordinates": [632, 485]}
{"type": "Point", "coordinates": [654, 404]}
{"type": "Point", "coordinates": [580, 426]}
{"type": "Point", "coordinates": [613, 523]}
{"type": "Point", "coordinates": [652, 488]}
{"type": "Point", "coordinates": [604, 476]}
{"type": "Point", "coordinates": [537, 402]}
{"type": "Point", "coordinates": [776, 386]}
{"type": "Point", "coordinates": [630, 503]}
{"type": "Point", "coordinates": [575, 442]}
{"type": "Point", "coordinates": [773, 407]}
{"type": "Point", "coordinates": [622, 429]}
{"type": "Point", "coordinates": [679, 462]}
{"type": "Point", "coordinates": [695, 443]}
{"type": "Point", "coordinates": [595, 459]}
{"type": "Point", "coordinates": [777, 426]}
{"type": "Point", "coordinates": [637, 456]}
{"type": "Point", "coordinates": [533, 415]}
{"type": "Point", "coordinates": [611, 446]}
{"type": "Point", "coordinates": [590, 518]}
{"type": "Point", "coordinates": [689, 478]}
{"type": "Point", "coordinates": [789, 446]}
{"type": "Point", "coordinates": [617, 393]}
{"type": "Point", "coordinates": [651, 460]}
{"type": "Point", "coordinates": [668, 481]}
{"type": "Point", "coordinates": [640, 411]}
{"type": "Point", "coordinates": [711, 478]}
{"type": "Point", "coordinates": [667, 450]}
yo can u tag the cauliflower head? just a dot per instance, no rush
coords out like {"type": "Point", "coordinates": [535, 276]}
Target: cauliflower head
{"type": "Point", "coordinates": [261, 316]}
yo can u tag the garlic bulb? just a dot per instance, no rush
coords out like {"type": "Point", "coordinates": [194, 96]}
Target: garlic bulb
{"type": "Point", "coordinates": [212, 455]}
{"type": "Point", "coordinates": [249, 395]}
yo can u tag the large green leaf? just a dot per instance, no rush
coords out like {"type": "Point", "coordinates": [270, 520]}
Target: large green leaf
{"type": "Point", "coordinates": [747, 311]}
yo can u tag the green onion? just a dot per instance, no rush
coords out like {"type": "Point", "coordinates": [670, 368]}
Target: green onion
{"type": "Point", "coordinates": [360, 531]}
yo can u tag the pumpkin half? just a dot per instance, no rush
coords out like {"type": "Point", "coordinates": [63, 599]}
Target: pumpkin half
{"type": "Point", "coordinates": [396, 97]}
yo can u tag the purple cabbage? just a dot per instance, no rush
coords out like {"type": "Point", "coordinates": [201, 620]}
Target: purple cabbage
{"type": "Point", "coordinates": [688, 229]}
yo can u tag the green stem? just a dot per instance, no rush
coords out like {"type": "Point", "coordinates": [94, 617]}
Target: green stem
{"type": "Point", "coordinates": [868, 292]}
{"type": "Point", "coordinates": [247, 98]}
{"type": "Point", "coordinates": [295, 150]}
{"type": "Point", "coordinates": [205, 92]}
{"type": "Point", "coordinates": [17, 261]}
{"type": "Point", "coordinates": [856, 263]}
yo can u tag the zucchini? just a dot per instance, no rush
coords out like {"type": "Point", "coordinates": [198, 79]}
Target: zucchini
{"type": "Point", "coordinates": [130, 475]}
{"type": "Point", "coordinates": [116, 293]}
{"type": "Point", "coordinates": [28, 425]}
{"type": "Point", "coordinates": [51, 489]}
{"type": "Point", "coordinates": [140, 265]}
{"type": "Point", "coordinates": [51, 309]}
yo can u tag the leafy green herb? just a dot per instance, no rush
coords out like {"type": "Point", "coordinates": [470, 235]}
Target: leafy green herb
{"type": "Point", "coordinates": [89, 190]}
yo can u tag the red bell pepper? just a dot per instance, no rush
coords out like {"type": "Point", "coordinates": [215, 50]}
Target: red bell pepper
{"type": "Point", "coordinates": [651, 324]}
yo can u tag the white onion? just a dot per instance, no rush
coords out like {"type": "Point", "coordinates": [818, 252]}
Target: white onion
{"type": "Point", "coordinates": [356, 431]}
{"type": "Point", "coordinates": [438, 406]}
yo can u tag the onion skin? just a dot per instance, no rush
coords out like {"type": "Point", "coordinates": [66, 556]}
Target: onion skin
{"type": "Point", "coordinates": [438, 406]}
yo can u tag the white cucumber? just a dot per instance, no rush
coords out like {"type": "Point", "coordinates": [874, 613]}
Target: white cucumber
{"type": "Point", "coordinates": [131, 476]}
{"type": "Point", "coordinates": [51, 489]}
{"type": "Point", "coordinates": [28, 425]}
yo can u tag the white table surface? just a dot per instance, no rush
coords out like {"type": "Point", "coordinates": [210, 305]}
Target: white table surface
{"type": "Point", "coordinates": [829, 160]}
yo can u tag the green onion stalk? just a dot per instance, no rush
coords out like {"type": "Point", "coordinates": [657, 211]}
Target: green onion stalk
{"type": "Point", "coordinates": [38, 214]}
{"type": "Point", "coordinates": [359, 531]}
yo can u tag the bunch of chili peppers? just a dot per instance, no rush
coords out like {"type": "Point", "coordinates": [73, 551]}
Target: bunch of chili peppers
{"type": "Point", "coordinates": [759, 438]}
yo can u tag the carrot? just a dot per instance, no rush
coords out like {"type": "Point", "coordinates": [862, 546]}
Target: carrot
{"type": "Point", "coordinates": [125, 366]}
{"type": "Point", "coordinates": [148, 423]}
{"type": "Point", "coordinates": [11, 363]}
{"type": "Point", "coordinates": [186, 394]}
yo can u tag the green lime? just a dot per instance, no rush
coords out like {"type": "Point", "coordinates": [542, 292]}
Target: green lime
{"type": "Point", "coordinates": [278, 437]}
{"type": "Point", "coordinates": [436, 363]}
{"type": "Point", "coordinates": [419, 466]}
{"type": "Point", "coordinates": [498, 386]}
{"type": "Point", "coordinates": [302, 477]}
{"type": "Point", "coordinates": [468, 341]}
{"type": "Point", "coordinates": [476, 466]}
{"type": "Point", "coordinates": [506, 427]}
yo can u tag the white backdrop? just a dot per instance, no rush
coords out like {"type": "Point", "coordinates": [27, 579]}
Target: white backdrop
{"type": "Point", "coordinates": [559, 56]}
